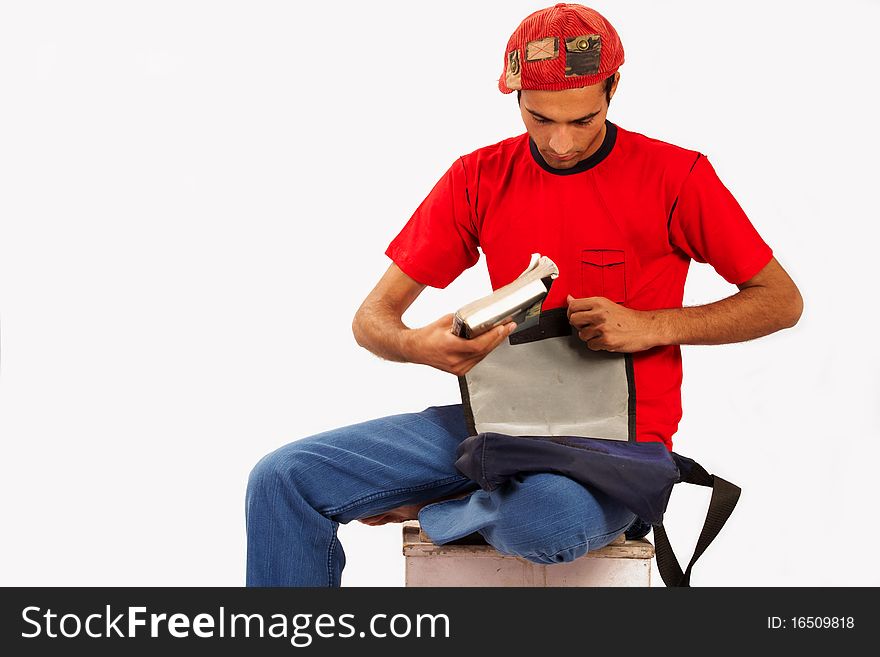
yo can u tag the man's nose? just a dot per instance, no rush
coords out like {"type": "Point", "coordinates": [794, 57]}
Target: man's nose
{"type": "Point", "coordinates": [561, 141]}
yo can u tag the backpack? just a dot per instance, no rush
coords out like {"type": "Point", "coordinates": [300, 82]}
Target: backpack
{"type": "Point", "coordinates": [542, 401]}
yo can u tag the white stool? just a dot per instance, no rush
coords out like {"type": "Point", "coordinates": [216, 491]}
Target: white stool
{"type": "Point", "coordinates": [621, 563]}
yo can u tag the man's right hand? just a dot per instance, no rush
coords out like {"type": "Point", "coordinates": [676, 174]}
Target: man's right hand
{"type": "Point", "coordinates": [437, 346]}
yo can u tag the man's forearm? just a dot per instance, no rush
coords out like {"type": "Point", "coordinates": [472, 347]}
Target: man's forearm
{"type": "Point", "coordinates": [380, 330]}
{"type": "Point", "coordinates": [750, 313]}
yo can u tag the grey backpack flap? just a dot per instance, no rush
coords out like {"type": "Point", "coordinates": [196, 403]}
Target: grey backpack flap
{"type": "Point", "coordinates": [546, 382]}
{"type": "Point", "coordinates": [545, 402]}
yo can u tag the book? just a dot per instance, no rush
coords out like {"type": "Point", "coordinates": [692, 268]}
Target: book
{"type": "Point", "coordinates": [519, 301]}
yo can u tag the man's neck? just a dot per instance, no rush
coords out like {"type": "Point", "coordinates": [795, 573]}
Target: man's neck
{"type": "Point", "coordinates": [597, 143]}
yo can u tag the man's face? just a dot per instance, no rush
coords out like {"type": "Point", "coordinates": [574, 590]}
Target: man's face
{"type": "Point", "coordinates": [567, 126]}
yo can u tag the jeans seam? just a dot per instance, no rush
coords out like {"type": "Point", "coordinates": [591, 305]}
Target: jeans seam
{"type": "Point", "coordinates": [483, 461]}
{"type": "Point", "coordinates": [330, 552]}
{"type": "Point", "coordinates": [389, 493]}
{"type": "Point", "coordinates": [571, 547]}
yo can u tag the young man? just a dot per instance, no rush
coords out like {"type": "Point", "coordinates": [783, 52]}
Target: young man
{"type": "Point", "coordinates": [621, 215]}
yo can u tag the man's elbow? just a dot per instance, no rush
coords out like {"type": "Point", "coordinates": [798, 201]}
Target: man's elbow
{"type": "Point", "coordinates": [357, 327]}
{"type": "Point", "coordinates": [794, 308]}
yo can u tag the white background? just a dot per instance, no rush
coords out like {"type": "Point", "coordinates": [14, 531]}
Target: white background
{"type": "Point", "coordinates": [195, 197]}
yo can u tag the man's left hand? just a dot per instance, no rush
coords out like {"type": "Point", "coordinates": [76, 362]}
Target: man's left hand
{"type": "Point", "coordinates": [608, 326]}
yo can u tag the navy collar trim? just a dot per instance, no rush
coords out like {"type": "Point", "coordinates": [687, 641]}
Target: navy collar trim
{"type": "Point", "coordinates": [594, 159]}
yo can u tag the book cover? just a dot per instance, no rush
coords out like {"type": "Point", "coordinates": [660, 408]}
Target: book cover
{"type": "Point", "coordinates": [519, 301]}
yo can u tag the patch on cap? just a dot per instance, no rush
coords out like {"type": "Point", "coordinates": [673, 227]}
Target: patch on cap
{"type": "Point", "coordinates": [513, 79]}
{"type": "Point", "coordinates": [540, 49]}
{"type": "Point", "coordinates": [582, 55]}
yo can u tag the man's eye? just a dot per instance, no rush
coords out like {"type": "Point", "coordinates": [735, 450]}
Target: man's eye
{"type": "Point", "coordinates": [587, 122]}
{"type": "Point", "coordinates": [542, 121]}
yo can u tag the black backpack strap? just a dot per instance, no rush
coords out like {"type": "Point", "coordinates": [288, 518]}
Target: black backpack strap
{"type": "Point", "coordinates": [724, 498]}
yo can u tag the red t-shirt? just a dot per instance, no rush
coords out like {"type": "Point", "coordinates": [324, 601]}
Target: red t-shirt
{"type": "Point", "coordinates": [623, 224]}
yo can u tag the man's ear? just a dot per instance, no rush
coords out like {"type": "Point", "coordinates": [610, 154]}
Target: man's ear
{"type": "Point", "coordinates": [614, 84]}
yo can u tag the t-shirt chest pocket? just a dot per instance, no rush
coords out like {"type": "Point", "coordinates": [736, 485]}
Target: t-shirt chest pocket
{"type": "Point", "coordinates": [603, 274]}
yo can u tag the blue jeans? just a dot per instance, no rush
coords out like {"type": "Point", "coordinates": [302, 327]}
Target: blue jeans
{"type": "Point", "coordinates": [298, 495]}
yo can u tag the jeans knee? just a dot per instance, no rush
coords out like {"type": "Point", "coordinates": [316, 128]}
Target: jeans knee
{"type": "Point", "coordinates": [273, 470]}
{"type": "Point", "coordinates": [545, 531]}
{"type": "Point", "coordinates": [261, 479]}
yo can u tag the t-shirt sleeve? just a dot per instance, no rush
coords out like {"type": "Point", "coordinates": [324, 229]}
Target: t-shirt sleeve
{"type": "Point", "coordinates": [440, 239]}
{"type": "Point", "coordinates": [709, 225]}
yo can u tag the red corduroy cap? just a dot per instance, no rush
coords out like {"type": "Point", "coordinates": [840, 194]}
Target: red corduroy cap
{"type": "Point", "coordinates": [561, 47]}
